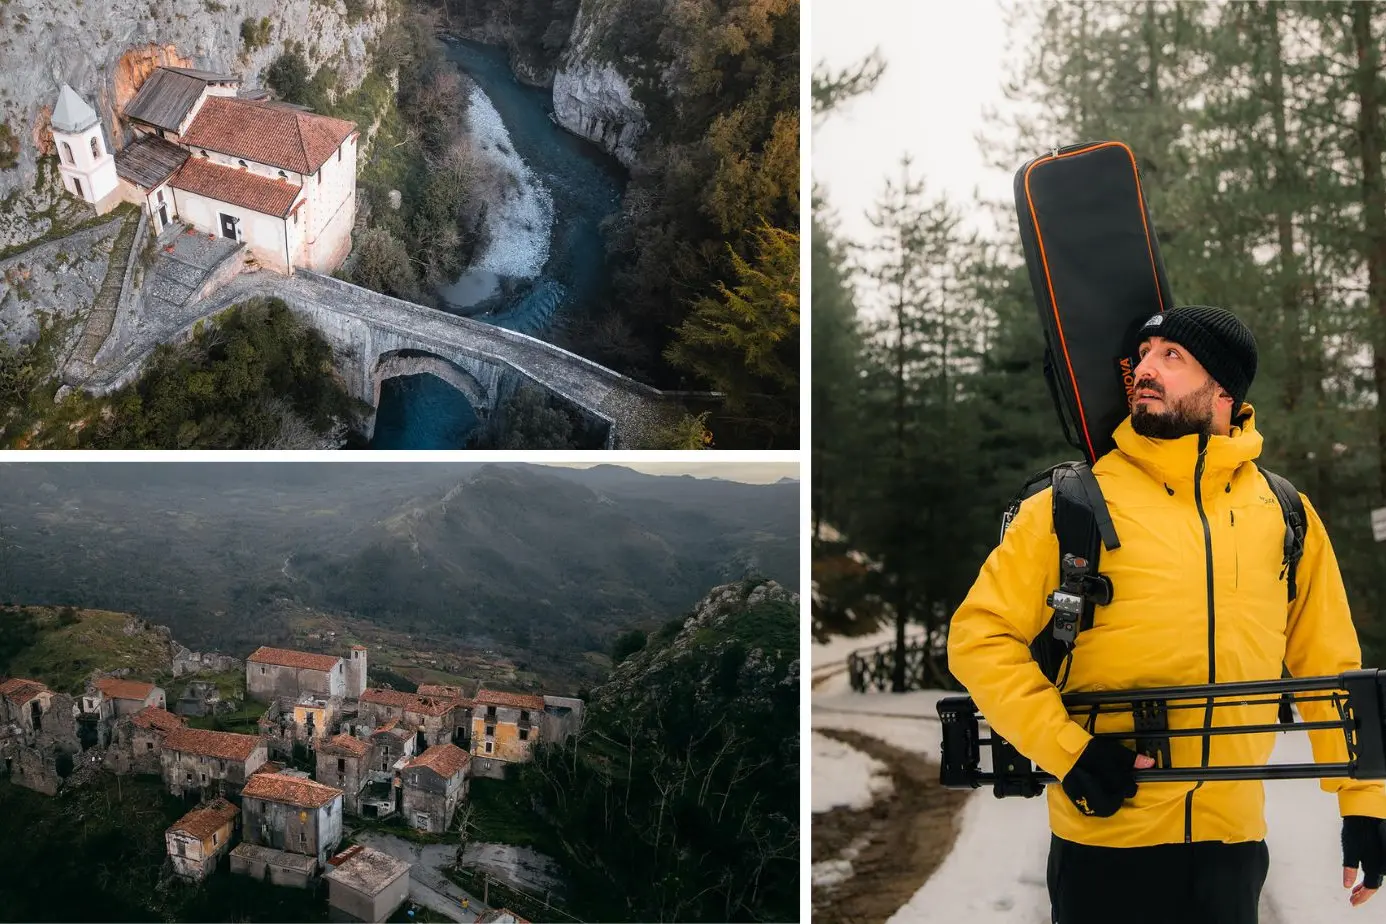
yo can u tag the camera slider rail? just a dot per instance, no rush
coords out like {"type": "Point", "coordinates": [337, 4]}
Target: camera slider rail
{"type": "Point", "coordinates": [1358, 697]}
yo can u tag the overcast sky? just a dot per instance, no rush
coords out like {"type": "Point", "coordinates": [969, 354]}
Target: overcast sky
{"type": "Point", "coordinates": [749, 472]}
{"type": "Point", "coordinates": [944, 64]}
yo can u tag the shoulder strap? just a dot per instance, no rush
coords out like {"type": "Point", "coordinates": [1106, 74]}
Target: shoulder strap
{"type": "Point", "coordinates": [1292, 508]}
{"type": "Point", "coordinates": [1083, 526]}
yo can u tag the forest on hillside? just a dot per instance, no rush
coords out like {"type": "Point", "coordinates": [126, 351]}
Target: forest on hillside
{"type": "Point", "coordinates": [1259, 133]}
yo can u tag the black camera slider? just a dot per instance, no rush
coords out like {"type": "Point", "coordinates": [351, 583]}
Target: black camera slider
{"type": "Point", "coordinates": [1357, 696]}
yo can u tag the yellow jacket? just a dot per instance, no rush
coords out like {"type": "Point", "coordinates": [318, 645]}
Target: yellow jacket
{"type": "Point", "coordinates": [1170, 622]}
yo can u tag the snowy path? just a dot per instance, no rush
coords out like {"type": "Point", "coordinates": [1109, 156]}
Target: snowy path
{"type": "Point", "coordinates": [995, 873]}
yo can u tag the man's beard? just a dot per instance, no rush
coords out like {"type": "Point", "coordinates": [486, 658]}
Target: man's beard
{"type": "Point", "coordinates": [1193, 414]}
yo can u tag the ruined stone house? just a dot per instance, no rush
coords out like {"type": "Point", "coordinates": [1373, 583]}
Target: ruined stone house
{"type": "Point", "coordinates": [434, 784]}
{"type": "Point", "coordinates": [195, 662]}
{"type": "Point", "coordinates": [38, 734]}
{"type": "Point", "coordinates": [561, 719]}
{"type": "Point", "coordinates": [393, 746]}
{"type": "Point", "coordinates": [433, 719]}
{"type": "Point", "coordinates": [200, 697]}
{"type": "Point", "coordinates": [197, 841]}
{"type": "Point", "coordinates": [505, 726]}
{"type": "Point", "coordinates": [196, 759]}
{"type": "Point", "coordinates": [137, 744]}
{"type": "Point", "coordinates": [344, 761]}
{"type": "Point", "coordinates": [280, 673]}
{"type": "Point", "coordinates": [292, 814]}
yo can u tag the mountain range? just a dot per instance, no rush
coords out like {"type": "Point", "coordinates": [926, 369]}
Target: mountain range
{"type": "Point", "coordinates": [537, 561]}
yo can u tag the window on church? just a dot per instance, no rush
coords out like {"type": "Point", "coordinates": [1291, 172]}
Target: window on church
{"type": "Point", "coordinates": [204, 154]}
{"type": "Point", "coordinates": [283, 175]}
{"type": "Point", "coordinates": [242, 163]}
{"type": "Point", "coordinates": [95, 147]}
{"type": "Point", "coordinates": [67, 153]}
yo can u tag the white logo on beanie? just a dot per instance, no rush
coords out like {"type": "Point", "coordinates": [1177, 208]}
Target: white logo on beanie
{"type": "Point", "coordinates": [1155, 321]}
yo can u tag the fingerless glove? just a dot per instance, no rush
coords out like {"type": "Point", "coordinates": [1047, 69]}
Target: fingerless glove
{"type": "Point", "coordinates": [1364, 844]}
{"type": "Point", "coordinates": [1103, 777]}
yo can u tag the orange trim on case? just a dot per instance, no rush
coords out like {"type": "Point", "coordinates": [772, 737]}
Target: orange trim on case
{"type": "Point", "coordinates": [1039, 240]}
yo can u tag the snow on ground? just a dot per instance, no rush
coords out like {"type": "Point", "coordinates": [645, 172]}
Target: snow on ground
{"type": "Point", "coordinates": [520, 224]}
{"type": "Point", "coordinates": [996, 871]}
{"type": "Point", "coordinates": [844, 777]}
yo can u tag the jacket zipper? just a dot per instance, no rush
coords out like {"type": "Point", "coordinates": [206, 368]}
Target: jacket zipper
{"type": "Point", "coordinates": [1212, 622]}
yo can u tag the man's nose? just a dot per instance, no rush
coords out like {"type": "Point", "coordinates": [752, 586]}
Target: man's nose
{"type": "Point", "coordinates": [1146, 368]}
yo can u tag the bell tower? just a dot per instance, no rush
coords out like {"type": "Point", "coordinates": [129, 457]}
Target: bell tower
{"type": "Point", "coordinates": [84, 158]}
{"type": "Point", "coordinates": [356, 672]}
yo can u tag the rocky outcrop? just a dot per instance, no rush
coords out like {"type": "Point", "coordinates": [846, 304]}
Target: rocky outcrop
{"type": "Point", "coordinates": [591, 97]}
{"type": "Point", "coordinates": [104, 48]}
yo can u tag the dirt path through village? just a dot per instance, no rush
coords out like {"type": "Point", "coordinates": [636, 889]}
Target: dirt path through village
{"type": "Point", "coordinates": [901, 840]}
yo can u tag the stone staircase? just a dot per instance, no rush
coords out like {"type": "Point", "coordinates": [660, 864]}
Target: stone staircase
{"type": "Point", "coordinates": [103, 313]}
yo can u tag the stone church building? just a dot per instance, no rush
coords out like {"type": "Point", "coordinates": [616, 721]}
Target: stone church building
{"type": "Point", "coordinates": [270, 175]}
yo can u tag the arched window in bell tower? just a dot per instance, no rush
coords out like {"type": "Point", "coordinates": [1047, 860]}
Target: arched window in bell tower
{"type": "Point", "coordinates": [95, 148]}
{"type": "Point", "coordinates": [67, 152]}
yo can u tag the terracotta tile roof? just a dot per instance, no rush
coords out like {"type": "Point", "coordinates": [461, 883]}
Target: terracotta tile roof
{"type": "Point", "coordinates": [533, 703]}
{"type": "Point", "coordinates": [116, 688]}
{"type": "Point", "coordinates": [287, 138]}
{"type": "Point", "coordinates": [287, 658]}
{"type": "Point", "coordinates": [202, 821]}
{"type": "Point", "coordinates": [348, 743]}
{"type": "Point", "coordinates": [156, 718]}
{"type": "Point", "coordinates": [19, 691]}
{"type": "Point", "coordinates": [224, 745]}
{"type": "Point", "coordinates": [425, 705]}
{"type": "Point", "coordinates": [446, 760]}
{"type": "Point", "coordinates": [243, 188]}
{"type": "Point", "coordinates": [291, 790]}
{"type": "Point", "coordinates": [270, 766]}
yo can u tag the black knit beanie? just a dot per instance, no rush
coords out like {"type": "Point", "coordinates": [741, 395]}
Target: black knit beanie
{"type": "Point", "coordinates": [1224, 345]}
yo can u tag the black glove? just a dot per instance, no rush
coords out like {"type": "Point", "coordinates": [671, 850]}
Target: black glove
{"type": "Point", "coordinates": [1103, 777]}
{"type": "Point", "coordinates": [1364, 844]}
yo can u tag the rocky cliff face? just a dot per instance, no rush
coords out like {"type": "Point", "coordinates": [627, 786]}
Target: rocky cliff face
{"type": "Point", "coordinates": [104, 48]}
{"type": "Point", "coordinates": [591, 97]}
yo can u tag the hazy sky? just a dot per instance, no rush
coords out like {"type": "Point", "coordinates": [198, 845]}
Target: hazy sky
{"type": "Point", "coordinates": [944, 64]}
{"type": "Point", "coordinates": [750, 472]}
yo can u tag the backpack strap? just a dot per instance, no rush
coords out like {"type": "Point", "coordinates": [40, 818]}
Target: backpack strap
{"type": "Point", "coordinates": [1296, 525]}
{"type": "Point", "coordinates": [1083, 526]}
{"type": "Point", "coordinates": [1292, 508]}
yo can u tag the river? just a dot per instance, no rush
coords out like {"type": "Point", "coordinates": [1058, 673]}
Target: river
{"type": "Point", "coordinates": [582, 184]}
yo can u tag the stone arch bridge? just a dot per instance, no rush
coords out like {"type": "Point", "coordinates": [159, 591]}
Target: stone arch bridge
{"type": "Point", "coordinates": [377, 337]}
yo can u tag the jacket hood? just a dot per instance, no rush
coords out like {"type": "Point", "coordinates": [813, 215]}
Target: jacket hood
{"type": "Point", "coordinates": [1173, 461]}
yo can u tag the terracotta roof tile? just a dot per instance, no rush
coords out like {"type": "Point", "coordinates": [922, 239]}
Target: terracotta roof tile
{"type": "Point", "coordinates": [446, 760]}
{"type": "Point", "coordinates": [224, 745]}
{"type": "Point", "coordinates": [116, 688]}
{"type": "Point", "coordinates": [248, 190]}
{"type": "Point", "coordinates": [270, 766]}
{"type": "Point", "coordinates": [202, 821]}
{"type": "Point", "coordinates": [19, 691]}
{"type": "Point", "coordinates": [291, 790]}
{"type": "Point", "coordinates": [287, 138]}
{"type": "Point", "coordinates": [424, 705]}
{"type": "Point", "coordinates": [156, 718]}
{"type": "Point", "coordinates": [515, 700]}
{"type": "Point", "coordinates": [284, 657]}
{"type": "Point", "coordinates": [348, 743]}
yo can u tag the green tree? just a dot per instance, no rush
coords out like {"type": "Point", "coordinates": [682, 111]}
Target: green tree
{"type": "Point", "coordinates": [288, 76]}
{"type": "Point", "coordinates": [745, 341]}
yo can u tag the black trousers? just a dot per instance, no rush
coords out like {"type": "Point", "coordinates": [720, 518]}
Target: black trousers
{"type": "Point", "coordinates": [1206, 882]}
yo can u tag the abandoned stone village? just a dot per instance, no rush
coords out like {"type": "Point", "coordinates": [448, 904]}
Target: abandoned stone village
{"type": "Point", "coordinates": [376, 753]}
